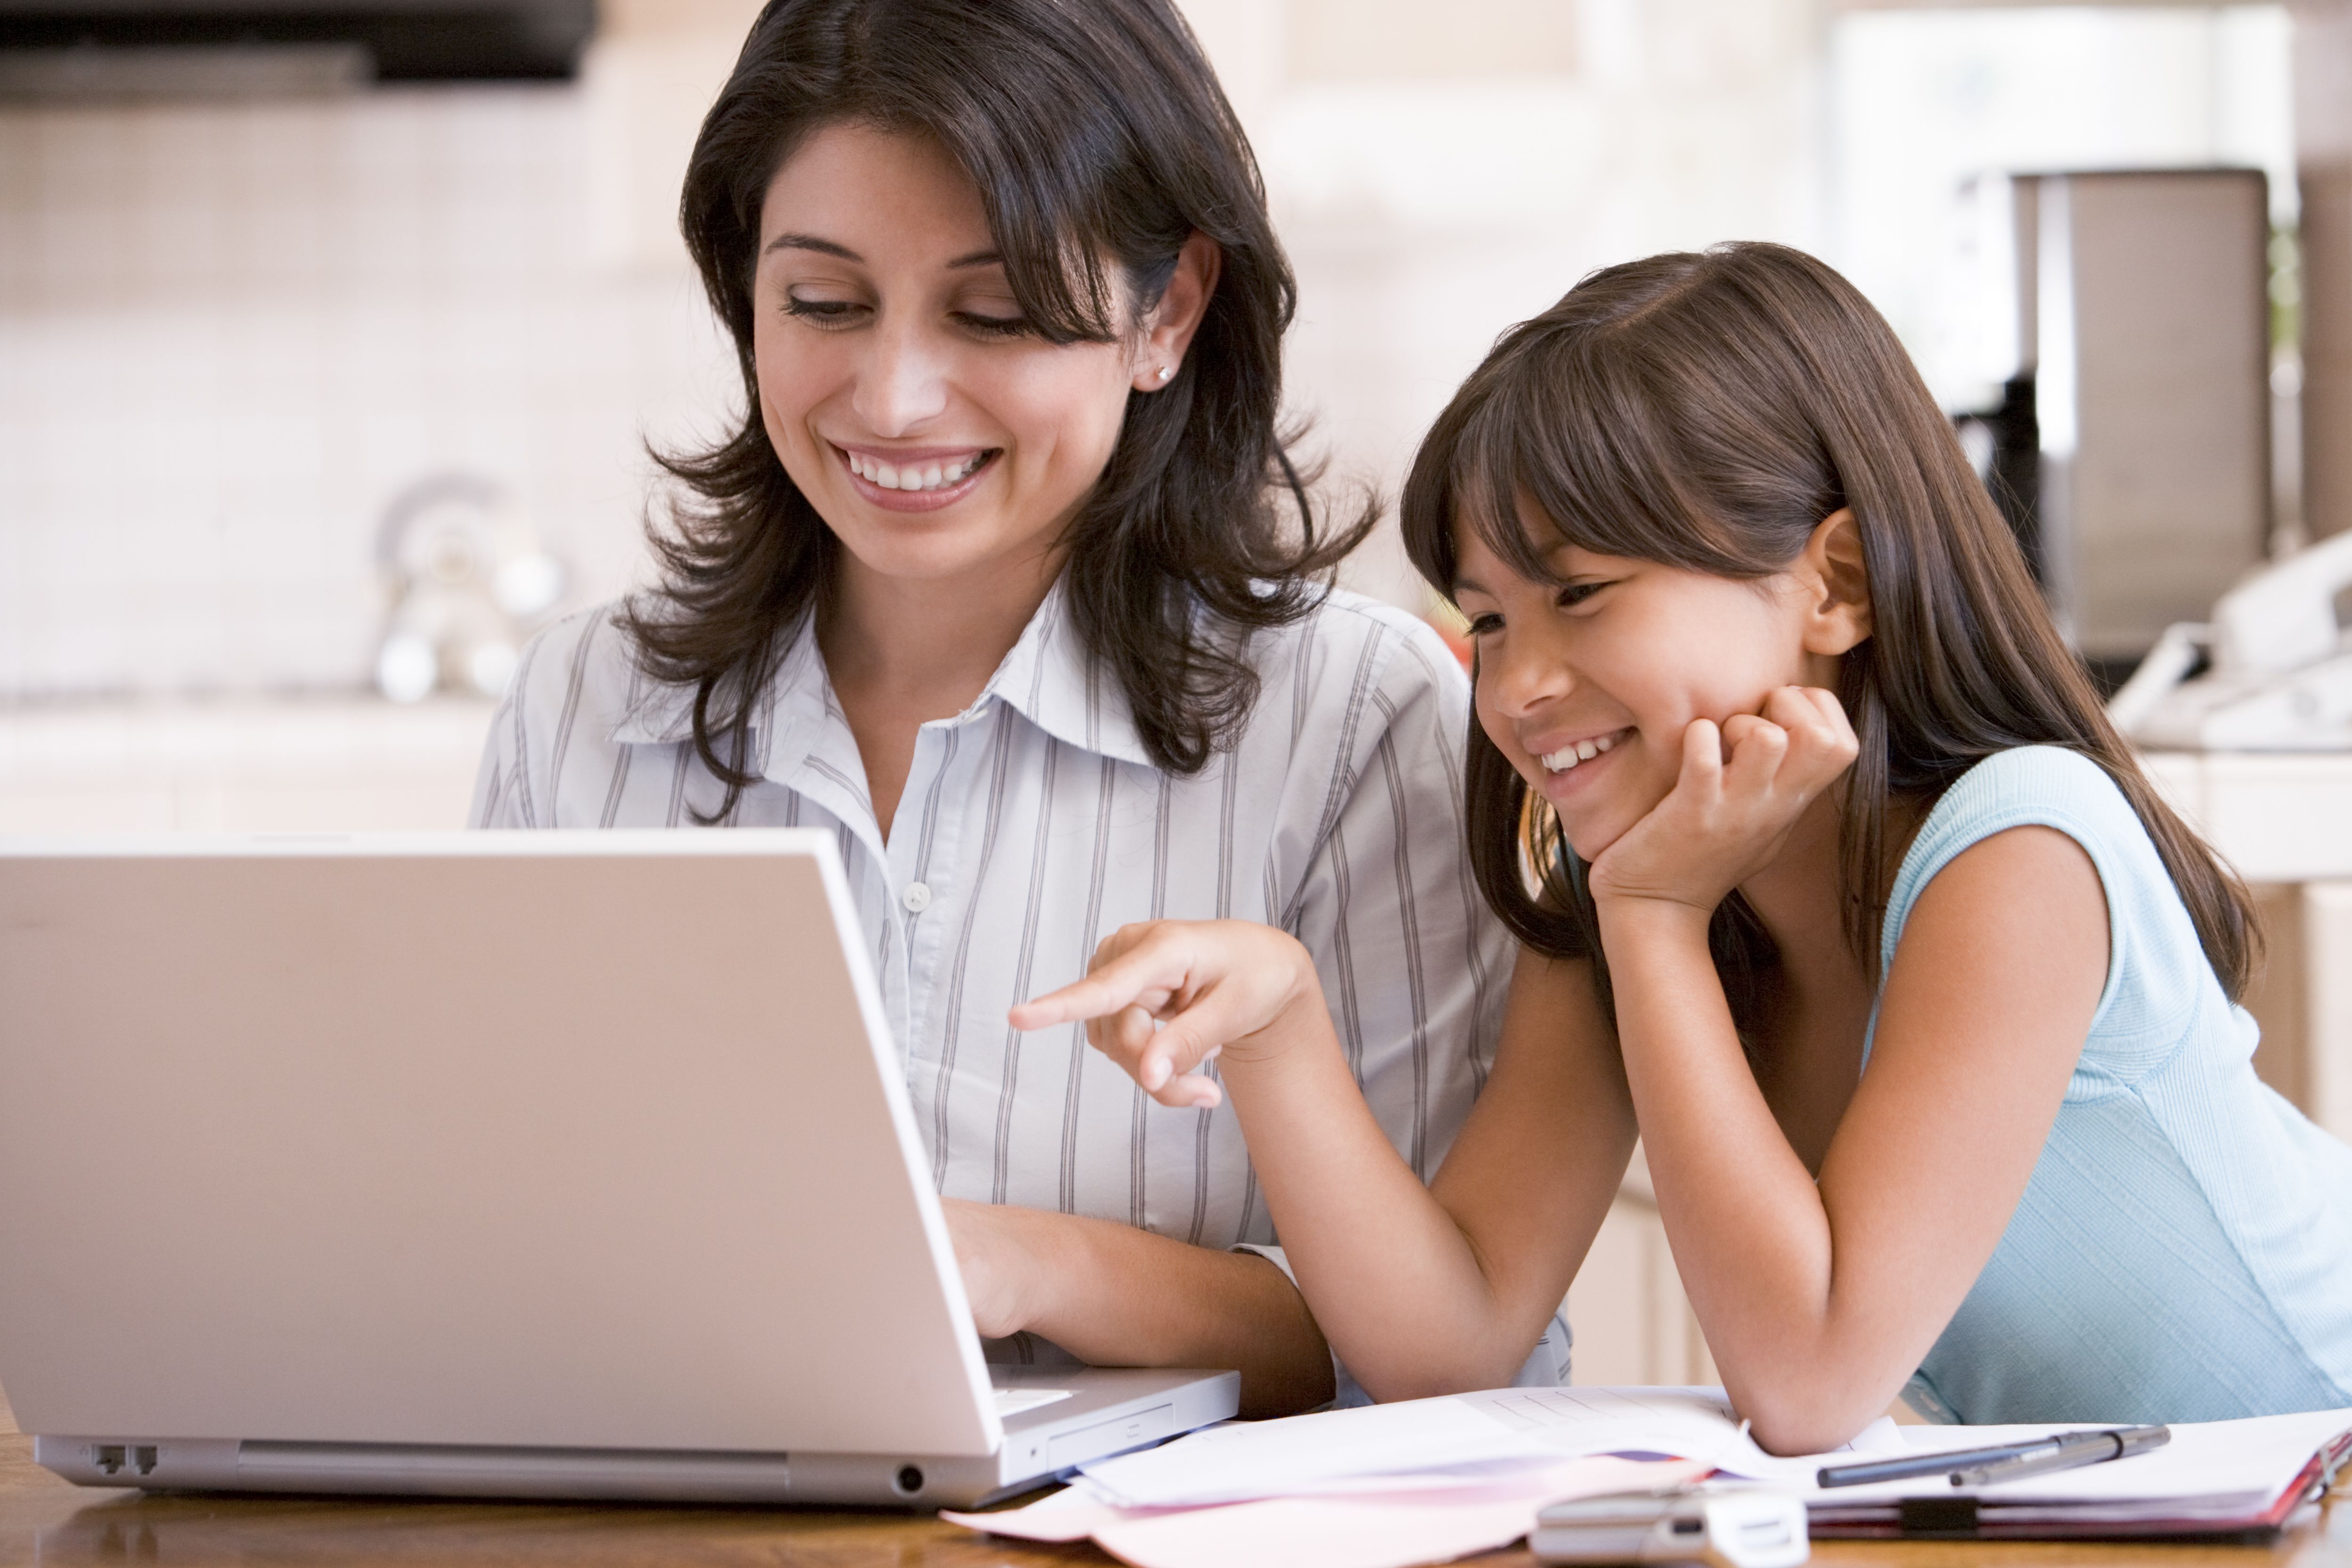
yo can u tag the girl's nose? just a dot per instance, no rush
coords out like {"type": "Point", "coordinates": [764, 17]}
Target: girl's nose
{"type": "Point", "coordinates": [902, 382]}
{"type": "Point", "coordinates": [1522, 675]}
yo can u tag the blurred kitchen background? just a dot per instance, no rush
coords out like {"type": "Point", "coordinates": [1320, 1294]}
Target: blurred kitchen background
{"type": "Point", "coordinates": [323, 381]}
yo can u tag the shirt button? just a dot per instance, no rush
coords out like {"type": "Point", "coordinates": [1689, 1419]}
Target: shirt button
{"type": "Point", "coordinates": [917, 898]}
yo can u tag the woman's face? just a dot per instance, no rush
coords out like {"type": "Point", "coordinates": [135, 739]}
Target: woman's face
{"type": "Point", "coordinates": [1587, 689]}
{"type": "Point", "coordinates": [898, 382]}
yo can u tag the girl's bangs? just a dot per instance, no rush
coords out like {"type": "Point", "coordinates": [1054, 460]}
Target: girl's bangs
{"type": "Point", "coordinates": [1606, 483]}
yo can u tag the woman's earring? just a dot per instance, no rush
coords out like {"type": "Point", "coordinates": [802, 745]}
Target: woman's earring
{"type": "Point", "coordinates": [1165, 372]}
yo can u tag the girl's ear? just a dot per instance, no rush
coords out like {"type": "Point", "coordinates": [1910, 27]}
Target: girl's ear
{"type": "Point", "coordinates": [1836, 585]}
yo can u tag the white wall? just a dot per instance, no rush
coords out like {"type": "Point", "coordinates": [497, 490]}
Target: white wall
{"type": "Point", "coordinates": [1441, 172]}
{"type": "Point", "coordinates": [1921, 101]}
{"type": "Point", "coordinates": [231, 333]}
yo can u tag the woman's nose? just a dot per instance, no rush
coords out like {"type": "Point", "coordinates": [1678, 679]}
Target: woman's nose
{"type": "Point", "coordinates": [902, 382]}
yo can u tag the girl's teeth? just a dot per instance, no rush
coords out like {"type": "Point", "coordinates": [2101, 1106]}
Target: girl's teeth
{"type": "Point", "coordinates": [1567, 757]}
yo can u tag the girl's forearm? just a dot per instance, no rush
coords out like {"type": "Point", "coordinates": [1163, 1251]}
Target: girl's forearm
{"type": "Point", "coordinates": [1404, 1298]}
{"type": "Point", "coordinates": [1753, 1240]}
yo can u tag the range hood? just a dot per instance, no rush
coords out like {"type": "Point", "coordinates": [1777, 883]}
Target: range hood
{"type": "Point", "coordinates": [53, 49]}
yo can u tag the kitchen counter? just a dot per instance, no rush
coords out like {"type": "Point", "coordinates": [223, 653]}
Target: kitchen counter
{"type": "Point", "coordinates": [353, 763]}
{"type": "Point", "coordinates": [2278, 816]}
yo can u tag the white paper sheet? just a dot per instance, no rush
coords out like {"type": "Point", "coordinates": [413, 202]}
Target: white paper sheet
{"type": "Point", "coordinates": [1334, 1450]}
{"type": "Point", "coordinates": [1390, 1529]}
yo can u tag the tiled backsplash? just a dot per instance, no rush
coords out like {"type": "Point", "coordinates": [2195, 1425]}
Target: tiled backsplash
{"type": "Point", "coordinates": [231, 333]}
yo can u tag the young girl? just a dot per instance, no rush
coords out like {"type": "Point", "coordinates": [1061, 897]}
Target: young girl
{"type": "Point", "coordinates": [1849, 897]}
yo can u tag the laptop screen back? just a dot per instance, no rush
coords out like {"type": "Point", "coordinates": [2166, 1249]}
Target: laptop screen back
{"type": "Point", "coordinates": [544, 1140]}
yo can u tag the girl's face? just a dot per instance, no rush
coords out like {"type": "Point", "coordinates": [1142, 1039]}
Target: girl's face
{"type": "Point", "coordinates": [1587, 689]}
{"type": "Point", "coordinates": [898, 380]}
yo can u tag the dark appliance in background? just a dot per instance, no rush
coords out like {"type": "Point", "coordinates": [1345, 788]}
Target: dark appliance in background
{"type": "Point", "coordinates": [2131, 449]}
{"type": "Point", "coordinates": [53, 49]}
{"type": "Point", "coordinates": [2004, 442]}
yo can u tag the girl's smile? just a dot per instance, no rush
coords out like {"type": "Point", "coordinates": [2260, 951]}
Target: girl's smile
{"type": "Point", "coordinates": [1586, 682]}
{"type": "Point", "coordinates": [1575, 768]}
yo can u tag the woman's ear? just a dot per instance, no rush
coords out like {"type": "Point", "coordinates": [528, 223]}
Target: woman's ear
{"type": "Point", "coordinates": [1836, 584]}
{"type": "Point", "coordinates": [1168, 325]}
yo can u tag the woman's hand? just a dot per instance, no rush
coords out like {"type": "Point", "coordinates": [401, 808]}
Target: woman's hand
{"type": "Point", "coordinates": [1163, 997]}
{"type": "Point", "coordinates": [1741, 790]}
{"type": "Point", "coordinates": [995, 1261]}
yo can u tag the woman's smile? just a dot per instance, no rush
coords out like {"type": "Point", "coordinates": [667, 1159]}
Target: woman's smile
{"type": "Point", "coordinates": [923, 479]}
{"type": "Point", "coordinates": [898, 382]}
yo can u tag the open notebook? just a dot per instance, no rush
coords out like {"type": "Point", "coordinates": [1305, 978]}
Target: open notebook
{"type": "Point", "coordinates": [2234, 1479]}
{"type": "Point", "coordinates": [1428, 1479]}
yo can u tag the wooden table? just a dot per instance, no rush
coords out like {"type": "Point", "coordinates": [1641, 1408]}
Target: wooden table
{"type": "Point", "coordinates": [45, 1521]}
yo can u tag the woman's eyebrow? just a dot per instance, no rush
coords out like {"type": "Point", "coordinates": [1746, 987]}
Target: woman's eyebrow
{"type": "Point", "coordinates": [828, 248]}
{"type": "Point", "coordinates": [811, 242]}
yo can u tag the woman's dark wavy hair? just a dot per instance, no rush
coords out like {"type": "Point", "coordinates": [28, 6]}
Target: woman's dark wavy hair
{"type": "Point", "coordinates": [1707, 411]}
{"type": "Point", "coordinates": [1100, 142]}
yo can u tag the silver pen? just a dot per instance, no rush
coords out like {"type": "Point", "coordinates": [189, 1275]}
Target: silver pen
{"type": "Point", "coordinates": [2065, 1451]}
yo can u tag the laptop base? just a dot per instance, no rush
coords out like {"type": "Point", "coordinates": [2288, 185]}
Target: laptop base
{"type": "Point", "coordinates": [1035, 1450]}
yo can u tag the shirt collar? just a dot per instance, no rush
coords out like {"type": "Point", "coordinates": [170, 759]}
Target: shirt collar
{"type": "Point", "coordinates": [1047, 677]}
{"type": "Point", "coordinates": [1050, 679]}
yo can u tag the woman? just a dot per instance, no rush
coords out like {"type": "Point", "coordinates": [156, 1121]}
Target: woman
{"type": "Point", "coordinates": [1000, 581]}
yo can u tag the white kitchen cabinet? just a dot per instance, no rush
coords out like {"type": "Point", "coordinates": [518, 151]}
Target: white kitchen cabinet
{"type": "Point", "coordinates": [339, 765]}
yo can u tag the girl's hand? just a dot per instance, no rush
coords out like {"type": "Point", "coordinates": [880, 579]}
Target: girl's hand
{"type": "Point", "coordinates": [1163, 997]}
{"type": "Point", "coordinates": [1741, 792]}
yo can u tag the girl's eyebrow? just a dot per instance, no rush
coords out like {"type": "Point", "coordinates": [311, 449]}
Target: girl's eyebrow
{"type": "Point", "coordinates": [1469, 584]}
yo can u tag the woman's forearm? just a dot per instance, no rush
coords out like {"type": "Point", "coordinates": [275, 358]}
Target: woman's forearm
{"type": "Point", "coordinates": [1113, 1295]}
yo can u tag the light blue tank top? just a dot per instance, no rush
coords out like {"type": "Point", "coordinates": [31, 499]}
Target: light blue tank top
{"type": "Point", "coordinates": [2184, 1250]}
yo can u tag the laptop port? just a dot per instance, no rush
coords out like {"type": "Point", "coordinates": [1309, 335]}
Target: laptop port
{"type": "Point", "coordinates": [908, 1480]}
{"type": "Point", "coordinates": [110, 1458]}
{"type": "Point", "coordinates": [143, 1460]}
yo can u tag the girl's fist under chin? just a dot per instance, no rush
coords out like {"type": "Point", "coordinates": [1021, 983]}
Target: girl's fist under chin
{"type": "Point", "coordinates": [1741, 789]}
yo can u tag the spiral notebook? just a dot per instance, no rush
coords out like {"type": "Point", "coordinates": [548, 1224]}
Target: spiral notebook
{"type": "Point", "coordinates": [2215, 1480]}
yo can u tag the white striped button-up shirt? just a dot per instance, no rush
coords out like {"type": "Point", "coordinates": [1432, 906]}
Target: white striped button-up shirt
{"type": "Point", "coordinates": [1032, 825]}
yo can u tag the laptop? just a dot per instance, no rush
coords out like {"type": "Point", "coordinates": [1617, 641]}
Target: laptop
{"type": "Point", "coordinates": [549, 1165]}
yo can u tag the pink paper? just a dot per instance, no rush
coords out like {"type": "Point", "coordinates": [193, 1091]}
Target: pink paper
{"type": "Point", "coordinates": [1392, 1529]}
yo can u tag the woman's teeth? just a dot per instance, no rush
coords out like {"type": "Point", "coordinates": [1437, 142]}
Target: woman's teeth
{"type": "Point", "coordinates": [914, 476]}
{"type": "Point", "coordinates": [1567, 757]}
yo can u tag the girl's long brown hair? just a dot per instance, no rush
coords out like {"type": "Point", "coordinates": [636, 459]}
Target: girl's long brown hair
{"type": "Point", "coordinates": [1100, 142]}
{"type": "Point", "coordinates": [1707, 411]}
